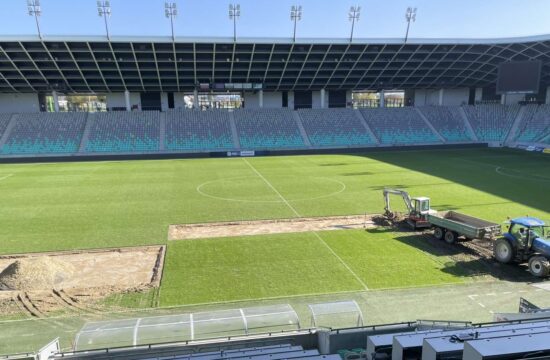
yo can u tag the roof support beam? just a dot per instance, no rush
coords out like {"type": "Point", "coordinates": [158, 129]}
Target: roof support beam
{"type": "Point", "coordinates": [303, 66]}
{"type": "Point", "coordinates": [98, 68]}
{"type": "Point", "coordinates": [137, 66]}
{"type": "Point", "coordinates": [17, 69]}
{"type": "Point", "coordinates": [320, 66]}
{"type": "Point", "coordinates": [157, 66]}
{"type": "Point", "coordinates": [342, 59]}
{"type": "Point", "coordinates": [353, 66]}
{"type": "Point", "coordinates": [370, 67]}
{"type": "Point", "coordinates": [54, 60]}
{"type": "Point", "coordinates": [250, 63]}
{"type": "Point", "coordinates": [9, 83]}
{"type": "Point", "coordinates": [286, 65]}
{"type": "Point", "coordinates": [78, 67]}
{"type": "Point", "coordinates": [115, 60]}
{"type": "Point", "coordinates": [34, 63]}
{"type": "Point", "coordinates": [269, 62]}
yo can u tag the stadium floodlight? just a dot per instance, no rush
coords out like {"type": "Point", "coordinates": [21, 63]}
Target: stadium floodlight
{"type": "Point", "coordinates": [234, 14]}
{"type": "Point", "coordinates": [410, 15]}
{"type": "Point", "coordinates": [295, 15]}
{"type": "Point", "coordinates": [171, 11]}
{"type": "Point", "coordinates": [104, 10]}
{"type": "Point", "coordinates": [353, 16]}
{"type": "Point", "coordinates": [34, 9]}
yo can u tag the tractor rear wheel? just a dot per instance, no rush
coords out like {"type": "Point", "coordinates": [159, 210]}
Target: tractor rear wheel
{"type": "Point", "coordinates": [503, 251]}
{"type": "Point", "coordinates": [438, 233]}
{"type": "Point", "coordinates": [450, 237]}
{"type": "Point", "coordinates": [539, 266]}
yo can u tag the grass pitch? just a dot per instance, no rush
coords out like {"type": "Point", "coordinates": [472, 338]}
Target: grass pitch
{"type": "Point", "coordinates": [268, 266]}
{"type": "Point", "coordinates": [63, 206]}
{"type": "Point", "coordinates": [105, 204]}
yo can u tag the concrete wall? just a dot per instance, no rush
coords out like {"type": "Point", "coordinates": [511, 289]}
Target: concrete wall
{"type": "Point", "coordinates": [451, 97]}
{"type": "Point", "coordinates": [252, 100]}
{"type": "Point", "coordinates": [512, 99]}
{"type": "Point", "coordinates": [316, 99]}
{"type": "Point", "coordinates": [19, 103]}
{"type": "Point", "coordinates": [164, 101]}
{"type": "Point", "coordinates": [291, 100]}
{"type": "Point", "coordinates": [117, 100]}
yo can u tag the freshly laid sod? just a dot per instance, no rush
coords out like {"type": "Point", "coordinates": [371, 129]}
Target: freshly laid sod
{"type": "Point", "coordinates": [255, 267]}
{"type": "Point", "coordinates": [106, 204]}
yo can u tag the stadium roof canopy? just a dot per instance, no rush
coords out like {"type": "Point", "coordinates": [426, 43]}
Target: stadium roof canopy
{"type": "Point", "coordinates": [143, 64]}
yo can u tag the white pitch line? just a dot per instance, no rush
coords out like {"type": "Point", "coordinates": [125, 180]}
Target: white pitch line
{"type": "Point", "coordinates": [342, 261]}
{"type": "Point", "coordinates": [298, 214]}
{"type": "Point", "coordinates": [5, 177]}
{"type": "Point", "coordinates": [272, 188]}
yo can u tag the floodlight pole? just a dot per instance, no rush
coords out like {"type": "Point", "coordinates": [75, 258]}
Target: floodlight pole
{"type": "Point", "coordinates": [33, 6]}
{"type": "Point", "coordinates": [170, 11]}
{"type": "Point", "coordinates": [354, 13]}
{"type": "Point", "coordinates": [410, 15]}
{"type": "Point", "coordinates": [104, 10]}
{"type": "Point", "coordinates": [295, 15]}
{"type": "Point", "coordinates": [234, 14]}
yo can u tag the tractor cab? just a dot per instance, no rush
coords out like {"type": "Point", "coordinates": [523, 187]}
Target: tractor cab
{"type": "Point", "coordinates": [523, 231]}
{"type": "Point", "coordinates": [527, 239]}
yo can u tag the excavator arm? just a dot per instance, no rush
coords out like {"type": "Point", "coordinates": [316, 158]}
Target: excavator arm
{"type": "Point", "coordinates": [406, 198]}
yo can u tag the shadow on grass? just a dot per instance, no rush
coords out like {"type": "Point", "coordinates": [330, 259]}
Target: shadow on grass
{"type": "Point", "coordinates": [456, 167]}
{"type": "Point", "coordinates": [465, 262]}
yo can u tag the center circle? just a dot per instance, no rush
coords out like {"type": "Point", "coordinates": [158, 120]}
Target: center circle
{"type": "Point", "coordinates": [278, 189]}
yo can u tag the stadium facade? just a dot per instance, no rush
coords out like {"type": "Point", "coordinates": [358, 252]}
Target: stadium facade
{"type": "Point", "coordinates": [157, 73]}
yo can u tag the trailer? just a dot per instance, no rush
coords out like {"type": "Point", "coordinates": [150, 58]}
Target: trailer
{"type": "Point", "coordinates": [450, 225]}
{"type": "Point", "coordinates": [447, 225]}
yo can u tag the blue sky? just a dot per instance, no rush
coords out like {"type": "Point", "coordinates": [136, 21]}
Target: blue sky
{"type": "Point", "coordinates": [270, 18]}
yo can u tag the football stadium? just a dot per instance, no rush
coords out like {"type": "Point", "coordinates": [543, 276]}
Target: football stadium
{"type": "Point", "coordinates": [233, 189]}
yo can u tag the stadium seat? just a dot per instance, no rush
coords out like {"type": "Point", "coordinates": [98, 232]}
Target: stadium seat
{"type": "Point", "coordinates": [399, 126]}
{"type": "Point", "coordinates": [535, 124]}
{"type": "Point", "coordinates": [4, 121]}
{"type": "Point", "coordinates": [447, 121]}
{"type": "Point", "coordinates": [267, 129]}
{"type": "Point", "coordinates": [197, 130]}
{"type": "Point", "coordinates": [124, 132]}
{"type": "Point", "coordinates": [45, 133]}
{"type": "Point", "coordinates": [334, 127]}
{"type": "Point", "coordinates": [491, 122]}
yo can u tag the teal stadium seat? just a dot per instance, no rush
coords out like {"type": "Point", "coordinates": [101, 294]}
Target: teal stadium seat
{"type": "Point", "coordinates": [196, 130]}
{"type": "Point", "coordinates": [535, 124]}
{"type": "Point", "coordinates": [399, 126]}
{"type": "Point", "coordinates": [267, 129]}
{"type": "Point", "coordinates": [45, 133]}
{"type": "Point", "coordinates": [448, 122]}
{"type": "Point", "coordinates": [123, 132]}
{"type": "Point", "coordinates": [335, 127]}
{"type": "Point", "coordinates": [492, 122]}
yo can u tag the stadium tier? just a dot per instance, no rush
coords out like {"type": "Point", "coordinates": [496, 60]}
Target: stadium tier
{"type": "Point", "coordinates": [194, 130]}
{"type": "Point", "coordinates": [492, 123]}
{"type": "Point", "coordinates": [124, 132]}
{"type": "Point", "coordinates": [43, 133]}
{"type": "Point", "coordinates": [335, 128]}
{"type": "Point", "coordinates": [400, 126]}
{"type": "Point", "coordinates": [267, 129]}
{"type": "Point", "coordinates": [448, 122]}
{"type": "Point", "coordinates": [535, 124]}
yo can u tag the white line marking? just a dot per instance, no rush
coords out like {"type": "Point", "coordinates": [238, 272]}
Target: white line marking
{"type": "Point", "coordinates": [342, 261]}
{"type": "Point", "coordinates": [491, 294]}
{"type": "Point", "coordinates": [472, 297]}
{"type": "Point", "coordinates": [522, 291]}
{"type": "Point", "coordinates": [5, 177]}
{"type": "Point", "coordinates": [298, 214]}
{"type": "Point", "coordinates": [507, 293]}
{"type": "Point", "coordinates": [480, 304]}
{"type": "Point", "coordinates": [272, 187]}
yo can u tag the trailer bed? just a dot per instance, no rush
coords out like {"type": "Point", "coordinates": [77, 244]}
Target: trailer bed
{"type": "Point", "coordinates": [464, 225]}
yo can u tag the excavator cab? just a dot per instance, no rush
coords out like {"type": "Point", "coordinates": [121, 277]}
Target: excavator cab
{"type": "Point", "coordinates": [418, 208]}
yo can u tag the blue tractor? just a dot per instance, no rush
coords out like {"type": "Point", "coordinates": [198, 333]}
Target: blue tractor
{"type": "Point", "coordinates": [527, 239]}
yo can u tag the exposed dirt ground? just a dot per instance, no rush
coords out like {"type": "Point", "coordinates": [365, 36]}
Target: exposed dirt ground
{"type": "Point", "coordinates": [93, 274]}
{"type": "Point", "coordinates": [259, 227]}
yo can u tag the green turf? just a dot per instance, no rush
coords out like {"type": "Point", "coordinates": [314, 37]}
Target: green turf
{"type": "Point", "coordinates": [266, 266]}
{"type": "Point", "coordinates": [105, 204]}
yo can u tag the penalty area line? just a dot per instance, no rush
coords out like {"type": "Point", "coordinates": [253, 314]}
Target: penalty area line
{"type": "Point", "coordinates": [5, 177]}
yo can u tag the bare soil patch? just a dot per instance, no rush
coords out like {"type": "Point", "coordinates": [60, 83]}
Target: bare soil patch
{"type": "Point", "coordinates": [43, 282]}
{"type": "Point", "coordinates": [260, 227]}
